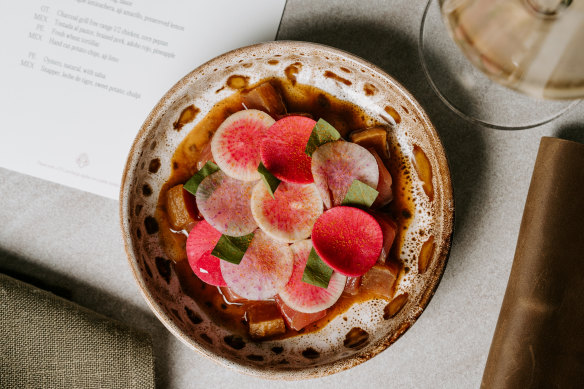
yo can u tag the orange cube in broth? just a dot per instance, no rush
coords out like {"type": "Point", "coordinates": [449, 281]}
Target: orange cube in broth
{"type": "Point", "coordinates": [230, 296]}
{"type": "Point", "coordinates": [374, 137]}
{"type": "Point", "coordinates": [265, 98]}
{"type": "Point", "coordinates": [178, 215]}
{"type": "Point", "coordinates": [265, 320]}
{"type": "Point", "coordinates": [380, 279]}
{"type": "Point", "coordinates": [352, 285]}
{"type": "Point", "coordinates": [298, 320]}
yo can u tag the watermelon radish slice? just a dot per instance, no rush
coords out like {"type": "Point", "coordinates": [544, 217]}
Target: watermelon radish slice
{"type": "Point", "coordinates": [224, 202]}
{"type": "Point", "coordinates": [347, 239]}
{"type": "Point", "coordinates": [201, 241]}
{"type": "Point", "coordinates": [290, 214]}
{"type": "Point", "coordinates": [282, 150]}
{"type": "Point", "coordinates": [308, 298]}
{"type": "Point", "coordinates": [236, 143]}
{"type": "Point", "coordinates": [263, 271]}
{"type": "Point", "coordinates": [336, 164]}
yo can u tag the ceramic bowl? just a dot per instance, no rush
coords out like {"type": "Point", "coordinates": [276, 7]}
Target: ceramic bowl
{"type": "Point", "coordinates": [377, 324]}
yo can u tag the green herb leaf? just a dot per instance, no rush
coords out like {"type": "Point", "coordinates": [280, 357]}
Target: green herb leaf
{"type": "Point", "coordinates": [193, 183]}
{"type": "Point", "coordinates": [269, 179]}
{"type": "Point", "coordinates": [360, 195]}
{"type": "Point", "coordinates": [316, 272]}
{"type": "Point", "coordinates": [232, 248]}
{"type": "Point", "coordinates": [322, 133]}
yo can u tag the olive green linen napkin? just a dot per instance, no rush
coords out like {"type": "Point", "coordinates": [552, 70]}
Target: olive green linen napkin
{"type": "Point", "coordinates": [49, 342]}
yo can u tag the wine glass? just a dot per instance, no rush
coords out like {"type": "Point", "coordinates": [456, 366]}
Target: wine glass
{"type": "Point", "coordinates": [532, 49]}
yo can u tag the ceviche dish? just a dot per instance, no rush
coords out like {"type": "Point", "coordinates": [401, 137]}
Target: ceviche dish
{"type": "Point", "coordinates": [287, 210]}
{"type": "Point", "coordinates": [283, 219]}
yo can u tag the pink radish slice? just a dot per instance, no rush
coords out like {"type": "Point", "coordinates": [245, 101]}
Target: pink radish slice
{"type": "Point", "coordinates": [308, 298]}
{"type": "Point", "coordinates": [201, 241]}
{"type": "Point", "coordinates": [290, 215]}
{"type": "Point", "coordinates": [282, 150]}
{"type": "Point", "coordinates": [236, 143]}
{"type": "Point", "coordinates": [336, 164]}
{"type": "Point", "coordinates": [347, 239]}
{"type": "Point", "coordinates": [225, 202]}
{"type": "Point", "coordinates": [263, 271]}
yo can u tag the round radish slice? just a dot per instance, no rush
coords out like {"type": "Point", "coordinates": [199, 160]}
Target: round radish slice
{"type": "Point", "coordinates": [263, 271]}
{"type": "Point", "coordinates": [347, 239]}
{"type": "Point", "coordinates": [290, 215]}
{"type": "Point", "coordinates": [305, 297]}
{"type": "Point", "coordinates": [201, 241]}
{"type": "Point", "coordinates": [336, 164]}
{"type": "Point", "coordinates": [282, 150]}
{"type": "Point", "coordinates": [224, 202]}
{"type": "Point", "coordinates": [236, 143]}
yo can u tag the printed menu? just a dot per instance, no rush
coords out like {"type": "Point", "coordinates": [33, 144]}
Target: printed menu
{"type": "Point", "coordinates": [78, 77]}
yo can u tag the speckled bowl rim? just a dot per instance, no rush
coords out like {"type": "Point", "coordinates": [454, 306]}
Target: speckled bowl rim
{"type": "Point", "coordinates": [338, 365]}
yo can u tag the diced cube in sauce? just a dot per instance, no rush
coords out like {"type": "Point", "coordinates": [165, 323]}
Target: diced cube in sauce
{"type": "Point", "coordinates": [352, 285]}
{"type": "Point", "coordinates": [265, 320]}
{"type": "Point", "coordinates": [191, 205]}
{"type": "Point", "coordinates": [379, 280]}
{"type": "Point", "coordinates": [388, 228]}
{"type": "Point", "coordinates": [298, 320]}
{"type": "Point", "coordinates": [265, 98]}
{"type": "Point", "coordinates": [174, 245]}
{"type": "Point", "coordinates": [231, 296]}
{"type": "Point", "coordinates": [176, 207]}
{"type": "Point", "coordinates": [384, 185]}
{"type": "Point", "coordinates": [205, 156]}
{"type": "Point", "coordinates": [373, 137]}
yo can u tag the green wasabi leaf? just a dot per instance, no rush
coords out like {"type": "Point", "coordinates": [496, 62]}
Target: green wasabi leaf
{"type": "Point", "coordinates": [322, 133]}
{"type": "Point", "coordinates": [360, 195]}
{"type": "Point", "coordinates": [193, 183]}
{"type": "Point", "coordinates": [269, 179]}
{"type": "Point", "coordinates": [232, 248]}
{"type": "Point", "coordinates": [316, 272]}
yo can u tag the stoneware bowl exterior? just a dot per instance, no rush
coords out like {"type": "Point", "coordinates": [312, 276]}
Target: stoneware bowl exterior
{"type": "Point", "coordinates": [314, 354]}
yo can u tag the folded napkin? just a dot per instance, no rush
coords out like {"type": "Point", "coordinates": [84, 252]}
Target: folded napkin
{"type": "Point", "coordinates": [539, 338]}
{"type": "Point", "coordinates": [49, 342]}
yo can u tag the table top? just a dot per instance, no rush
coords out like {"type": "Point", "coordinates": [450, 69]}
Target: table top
{"type": "Point", "coordinates": [70, 240]}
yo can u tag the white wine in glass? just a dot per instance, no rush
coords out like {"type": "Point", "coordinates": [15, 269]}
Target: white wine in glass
{"type": "Point", "coordinates": [533, 46]}
{"type": "Point", "coordinates": [505, 64]}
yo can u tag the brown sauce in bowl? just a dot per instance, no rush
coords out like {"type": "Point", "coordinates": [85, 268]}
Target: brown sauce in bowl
{"type": "Point", "coordinates": [302, 99]}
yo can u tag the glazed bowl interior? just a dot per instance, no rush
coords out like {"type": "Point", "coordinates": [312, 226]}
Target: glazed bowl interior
{"type": "Point", "coordinates": [348, 78]}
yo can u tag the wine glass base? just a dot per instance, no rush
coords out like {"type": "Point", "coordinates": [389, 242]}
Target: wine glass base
{"type": "Point", "coordinates": [469, 92]}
